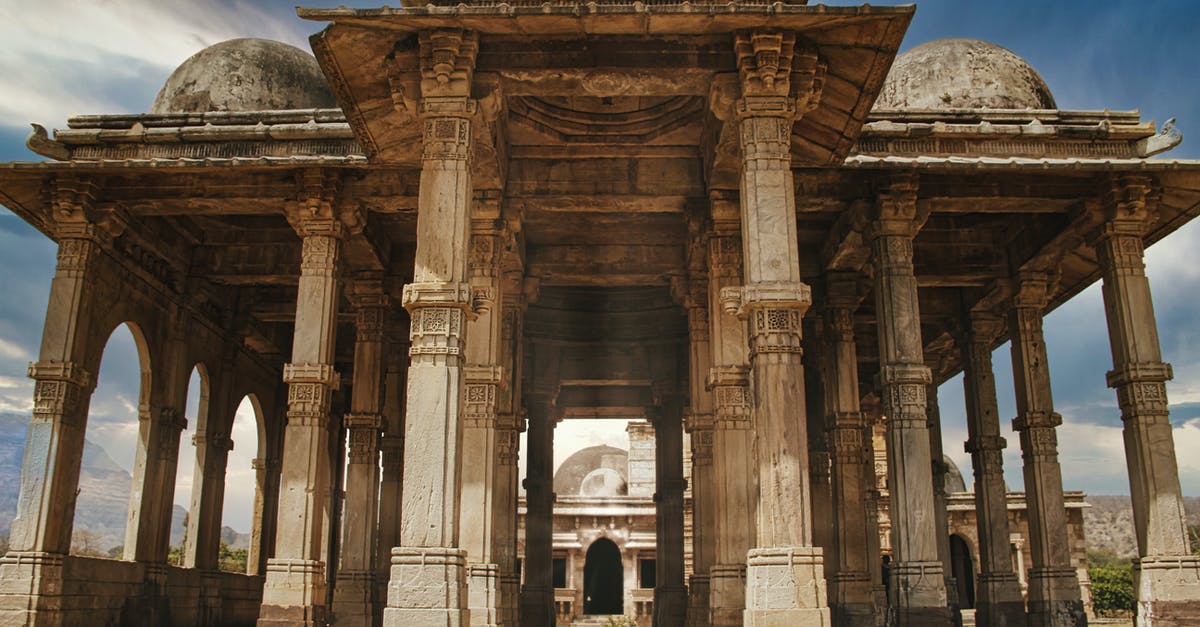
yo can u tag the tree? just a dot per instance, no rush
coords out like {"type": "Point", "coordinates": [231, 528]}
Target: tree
{"type": "Point", "coordinates": [87, 543]}
{"type": "Point", "coordinates": [1112, 590]}
{"type": "Point", "coordinates": [232, 560]}
{"type": "Point", "coordinates": [1194, 537]}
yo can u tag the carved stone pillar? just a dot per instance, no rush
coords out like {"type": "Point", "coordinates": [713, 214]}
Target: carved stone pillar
{"type": "Point", "coordinates": [780, 80]}
{"type": "Point", "coordinates": [670, 595]}
{"type": "Point", "coordinates": [202, 544]}
{"type": "Point", "coordinates": [699, 425]}
{"type": "Point", "coordinates": [851, 602]}
{"type": "Point", "coordinates": [1167, 575]}
{"type": "Point", "coordinates": [1054, 598]}
{"type": "Point", "coordinates": [391, 448]}
{"type": "Point", "coordinates": [734, 495]}
{"type": "Point", "coordinates": [428, 580]}
{"type": "Point", "coordinates": [998, 600]}
{"type": "Point", "coordinates": [510, 422]}
{"type": "Point", "coordinates": [877, 533]}
{"type": "Point", "coordinates": [295, 589]}
{"type": "Point", "coordinates": [917, 588]}
{"type": "Point", "coordinates": [353, 595]}
{"type": "Point", "coordinates": [32, 571]}
{"type": "Point", "coordinates": [941, 518]}
{"type": "Point", "coordinates": [483, 375]}
{"type": "Point", "coordinates": [537, 597]}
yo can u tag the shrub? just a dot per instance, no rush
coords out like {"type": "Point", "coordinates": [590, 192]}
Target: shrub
{"type": "Point", "coordinates": [1112, 590]}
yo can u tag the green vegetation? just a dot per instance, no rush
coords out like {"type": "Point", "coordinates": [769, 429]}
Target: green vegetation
{"type": "Point", "coordinates": [1194, 537]}
{"type": "Point", "coordinates": [232, 560]}
{"type": "Point", "coordinates": [1112, 584]}
{"type": "Point", "coordinates": [620, 621]}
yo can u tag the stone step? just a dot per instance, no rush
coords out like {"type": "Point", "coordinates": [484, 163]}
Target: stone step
{"type": "Point", "coordinates": [595, 620]}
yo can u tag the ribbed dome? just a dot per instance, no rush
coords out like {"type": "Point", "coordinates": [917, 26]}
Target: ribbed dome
{"type": "Point", "coordinates": [245, 75]}
{"type": "Point", "coordinates": [963, 74]}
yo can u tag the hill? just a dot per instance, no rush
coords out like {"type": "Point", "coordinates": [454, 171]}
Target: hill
{"type": "Point", "coordinates": [1108, 523]}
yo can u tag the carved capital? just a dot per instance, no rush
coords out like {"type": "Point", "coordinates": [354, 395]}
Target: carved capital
{"type": "Point", "coordinates": [1033, 289]}
{"type": "Point", "coordinates": [447, 60]}
{"type": "Point", "coordinates": [985, 329]}
{"type": "Point", "coordinates": [310, 390]}
{"type": "Point", "coordinates": [774, 65]}
{"type": "Point", "coordinates": [905, 388]}
{"type": "Point", "coordinates": [1036, 420]}
{"type": "Point", "coordinates": [445, 139]}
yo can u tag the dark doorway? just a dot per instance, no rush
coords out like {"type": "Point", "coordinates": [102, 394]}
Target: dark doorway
{"type": "Point", "coordinates": [603, 579]}
{"type": "Point", "coordinates": [964, 571]}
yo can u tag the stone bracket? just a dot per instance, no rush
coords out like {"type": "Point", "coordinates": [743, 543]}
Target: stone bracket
{"type": "Point", "coordinates": [437, 294]}
{"type": "Point", "coordinates": [741, 300]}
{"type": "Point", "coordinates": [1036, 419]}
{"type": "Point", "coordinates": [68, 371]}
{"type": "Point", "coordinates": [312, 373]}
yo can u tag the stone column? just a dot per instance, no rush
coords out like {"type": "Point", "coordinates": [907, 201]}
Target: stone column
{"type": "Point", "coordinates": [537, 597]}
{"type": "Point", "coordinates": [785, 580]}
{"type": "Point", "coordinates": [917, 588]}
{"type": "Point", "coordinates": [160, 422]}
{"type": "Point", "coordinates": [353, 595]}
{"type": "Point", "coordinates": [391, 447]}
{"type": "Point", "coordinates": [734, 497]}
{"type": "Point", "coordinates": [1054, 599]}
{"type": "Point", "coordinates": [941, 518]}
{"type": "Point", "coordinates": [510, 422]}
{"type": "Point", "coordinates": [670, 595]}
{"type": "Point", "coordinates": [428, 581]}
{"type": "Point", "coordinates": [294, 592]}
{"type": "Point", "coordinates": [998, 600]}
{"type": "Point", "coordinates": [876, 481]}
{"type": "Point", "coordinates": [851, 602]}
{"type": "Point", "coordinates": [483, 377]}
{"type": "Point", "coordinates": [202, 544]}
{"type": "Point", "coordinates": [819, 458]}
{"type": "Point", "coordinates": [1167, 574]}
{"type": "Point", "coordinates": [699, 425]}
{"type": "Point", "coordinates": [31, 573]}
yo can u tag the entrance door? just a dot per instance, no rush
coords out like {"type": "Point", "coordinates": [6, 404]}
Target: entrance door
{"type": "Point", "coordinates": [603, 579]}
{"type": "Point", "coordinates": [964, 571]}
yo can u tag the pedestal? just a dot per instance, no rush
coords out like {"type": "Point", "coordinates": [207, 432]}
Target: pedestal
{"type": "Point", "coordinates": [428, 587]}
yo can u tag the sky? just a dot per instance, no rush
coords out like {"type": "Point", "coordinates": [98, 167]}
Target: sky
{"type": "Point", "coordinates": [64, 57]}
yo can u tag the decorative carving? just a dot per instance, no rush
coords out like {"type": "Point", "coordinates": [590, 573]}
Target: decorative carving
{"type": "Point", "coordinates": [447, 62]}
{"type": "Point", "coordinates": [702, 447]}
{"type": "Point", "coordinates": [725, 256]}
{"type": "Point", "coordinates": [362, 445]}
{"type": "Point", "coordinates": [775, 331]}
{"type": "Point", "coordinates": [480, 409]}
{"type": "Point", "coordinates": [60, 391]}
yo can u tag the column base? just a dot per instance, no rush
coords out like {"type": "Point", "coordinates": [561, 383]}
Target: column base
{"type": "Point", "coordinates": [31, 585]}
{"type": "Point", "coordinates": [998, 601]}
{"type": "Point", "coordinates": [918, 592]}
{"type": "Point", "coordinates": [670, 605]}
{"type": "Point", "coordinates": [698, 593]}
{"type": "Point", "coordinates": [483, 582]}
{"type": "Point", "coordinates": [1054, 598]}
{"type": "Point", "coordinates": [786, 586]}
{"type": "Point", "coordinates": [879, 593]}
{"type": "Point", "coordinates": [510, 600]}
{"type": "Point", "coordinates": [1168, 590]}
{"type": "Point", "coordinates": [428, 586]}
{"type": "Point", "coordinates": [851, 600]}
{"type": "Point", "coordinates": [354, 599]}
{"type": "Point", "coordinates": [537, 607]}
{"type": "Point", "coordinates": [726, 595]}
{"type": "Point", "coordinates": [293, 594]}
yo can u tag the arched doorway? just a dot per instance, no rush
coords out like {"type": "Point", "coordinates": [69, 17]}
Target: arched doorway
{"type": "Point", "coordinates": [964, 571]}
{"type": "Point", "coordinates": [603, 579]}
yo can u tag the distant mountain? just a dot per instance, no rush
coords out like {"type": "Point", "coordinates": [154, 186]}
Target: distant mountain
{"type": "Point", "coordinates": [104, 487]}
{"type": "Point", "coordinates": [1108, 523]}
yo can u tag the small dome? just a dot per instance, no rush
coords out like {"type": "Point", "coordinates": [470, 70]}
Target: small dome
{"type": "Point", "coordinates": [245, 75]}
{"type": "Point", "coordinates": [603, 482]}
{"type": "Point", "coordinates": [581, 467]}
{"type": "Point", "coordinates": [963, 74]}
{"type": "Point", "coordinates": [954, 477]}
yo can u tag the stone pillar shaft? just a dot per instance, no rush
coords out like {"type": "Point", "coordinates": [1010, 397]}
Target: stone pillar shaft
{"type": "Point", "coordinates": [1054, 597]}
{"type": "Point", "coordinates": [852, 472]}
{"type": "Point", "coordinates": [295, 588]}
{"type": "Point", "coordinates": [917, 587]}
{"type": "Point", "coordinates": [537, 597]}
{"type": "Point", "coordinates": [998, 600]}
{"type": "Point", "coordinates": [428, 579]}
{"type": "Point", "coordinates": [700, 428]}
{"type": "Point", "coordinates": [1167, 574]}
{"type": "Point", "coordinates": [785, 579]}
{"type": "Point", "coordinates": [510, 422]}
{"type": "Point", "coordinates": [353, 597]}
{"type": "Point", "coordinates": [670, 595]}
{"type": "Point", "coordinates": [941, 519]}
{"type": "Point", "coordinates": [201, 549]}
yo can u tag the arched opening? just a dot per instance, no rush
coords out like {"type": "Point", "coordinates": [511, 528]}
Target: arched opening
{"type": "Point", "coordinates": [110, 445]}
{"type": "Point", "coordinates": [603, 579]}
{"type": "Point", "coordinates": [964, 570]}
{"type": "Point", "coordinates": [195, 408]}
{"type": "Point", "coordinates": [238, 506]}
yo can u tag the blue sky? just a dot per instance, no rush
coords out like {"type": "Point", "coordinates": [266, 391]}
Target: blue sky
{"type": "Point", "coordinates": [62, 57]}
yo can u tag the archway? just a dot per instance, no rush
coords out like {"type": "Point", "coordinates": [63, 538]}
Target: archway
{"type": "Point", "coordinates": [603, 579]}
{"type": "Point", "coordinates": [964, 570]}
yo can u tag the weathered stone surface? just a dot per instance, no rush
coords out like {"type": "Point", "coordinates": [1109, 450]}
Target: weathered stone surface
{"type": "Point", "coordinates": [963, 74]}
{"type": "Point", "coordinates": [245, 75]}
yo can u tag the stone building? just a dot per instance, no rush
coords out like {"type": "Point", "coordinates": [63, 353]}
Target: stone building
{"type": "Point", "coordinates": [720, 218]}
